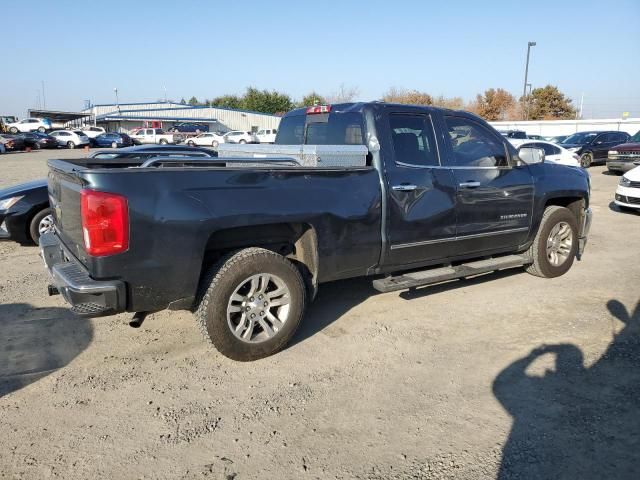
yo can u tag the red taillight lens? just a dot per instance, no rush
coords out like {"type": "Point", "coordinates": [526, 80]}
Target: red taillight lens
{"type": "Point", "coordinates": [105, 222]}
{"type": "Point", "coordinates": [318, 109]}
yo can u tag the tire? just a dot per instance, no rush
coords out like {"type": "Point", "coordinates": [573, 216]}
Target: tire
{"type": "Point", "coordinates": [214, 144]}
{"type": "Point", "coordinates": [71, 145]}
{"type": "Point", "coordinates": [191, 144]}
{"type": "Point", "coordinates": [13, 130]}
{"type": "Point", "coordinates": [586, 159]}
{"type": "Point", "coordinates": [232, 276]}
{"type": "Point", "coordinates": [114, 145]}
{"type": "Point", "coordinates": [542, 260]}
{"type": "Point", "coordinates": [36, 146]}
{"type": "Point", "coordinates": [242, 141]}
{"type": "Point", "coordinates": [163, 141]}
{"type": "Point", "coordinates": [38, 223]}
{"type": "Point", "coordinates": [42, 129]}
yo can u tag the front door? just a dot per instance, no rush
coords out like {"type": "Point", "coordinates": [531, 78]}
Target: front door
{"type": "Point", "coordinates": [421, 194]}
{"type": "Point", "coordinates": [494, 198]}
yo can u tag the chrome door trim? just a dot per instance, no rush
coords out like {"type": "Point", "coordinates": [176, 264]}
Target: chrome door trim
{"type": "Point", "coordinates": [463, 237]}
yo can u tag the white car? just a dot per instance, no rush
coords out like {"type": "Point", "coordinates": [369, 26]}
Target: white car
{"type": "Point", "coordinates": [70, 138]}
{"type": "Point", "coordinates": [155, 136]}
{"type": "Point", "coordinates": [93, 132]}
{"type": "Point", "coordinates": [240, 137]}
{"type": "Point", "coordinates": [209, 139]}
{"type": "Point", "coordinates": [30, 125]}
{"type": "Point", "coordinates": [552, 152]}
{"type": "Point", "coordinates": [266, 135]}
{"type": "Point", "coordinates": [628, 191]}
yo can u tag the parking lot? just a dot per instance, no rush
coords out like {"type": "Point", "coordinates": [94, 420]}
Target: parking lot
{"type": "Point", "coordinates": [502, 375]}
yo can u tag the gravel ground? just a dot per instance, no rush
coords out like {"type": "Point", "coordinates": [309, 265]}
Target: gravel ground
{"type": "Point", "coordinates": [506, 375]}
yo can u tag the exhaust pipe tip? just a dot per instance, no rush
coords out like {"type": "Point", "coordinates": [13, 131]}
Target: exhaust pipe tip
{"type": "Point", "coordinates": [52, 290]}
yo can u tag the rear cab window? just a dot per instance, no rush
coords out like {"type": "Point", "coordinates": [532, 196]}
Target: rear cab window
{"type": "Point", "coordinates": [335, 128]}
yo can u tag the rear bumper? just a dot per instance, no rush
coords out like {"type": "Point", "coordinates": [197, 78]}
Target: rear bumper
{"type": "Point", "coordinates": [87, 297]}
{"type": "Point", "coordinates": [584, 232]}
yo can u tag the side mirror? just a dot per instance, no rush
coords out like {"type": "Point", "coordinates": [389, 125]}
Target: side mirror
{"type": "Point", "coordinates": [531, 155]}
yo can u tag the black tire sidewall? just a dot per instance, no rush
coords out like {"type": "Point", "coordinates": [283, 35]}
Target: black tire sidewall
{"type": "Point", "coordinates": [220, 292]}
{"type": "Point", "coordinates": [35, 221]}
{"type": "Point", "coordinates": [561, 215]}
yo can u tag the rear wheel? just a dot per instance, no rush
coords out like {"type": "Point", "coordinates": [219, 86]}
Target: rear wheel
{"type": "Point", "coordinates": [555, 245]}
{"type": "Point", "coordinates": [36, 146]}
{"type": "Point", "coordinates": [114, 145]}
{"type": "Point", "coordinates": [251, 304]}
{"type": "Point", "coordinates": [242, 141]}
{"type": "Point", "coordinates": [13, 130]}
{"type": "Point", "coordinates": [163, 141]}
{"type": "Point", "coordinates": [41, 129]}
{"type": "Point", "coordinates": [71, 145]}
{"type": "Point", "coordinates": [214, 144]}
{"type": "Point", "coordinates": [586, 160]}
{"type": "Point", "coordinates": [191, 143]}
{"type": "Point", "coordinates": [41, 223]}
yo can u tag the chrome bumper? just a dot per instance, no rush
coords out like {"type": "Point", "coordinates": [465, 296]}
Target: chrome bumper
{"type": "Point", "coordinates": [585, 226]}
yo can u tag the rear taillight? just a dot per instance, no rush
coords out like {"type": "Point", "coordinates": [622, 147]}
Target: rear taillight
{"type": "Point", "coordinates": [105, 222]}
{"type": "Point", "coordinates": [318, 109]}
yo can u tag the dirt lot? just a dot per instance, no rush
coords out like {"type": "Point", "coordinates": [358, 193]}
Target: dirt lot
{"type": "Point", "coordinates": [506, 375]}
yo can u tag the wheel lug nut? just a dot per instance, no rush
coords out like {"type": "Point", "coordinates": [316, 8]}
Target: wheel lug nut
{"type": "Point", "coordinates": [266, 304]}
{"type": "Point", "coordinates": [251, 299]}
{"type": "Point", "coordinates": [260, 297]}
{"type": "Point", "coordinates": [253, 315]}
{"type": "Point", "coordinates": [247, 309]}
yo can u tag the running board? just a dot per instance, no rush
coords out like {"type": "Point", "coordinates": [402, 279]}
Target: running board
{"type": "Point", "coordinates": [436, 275]}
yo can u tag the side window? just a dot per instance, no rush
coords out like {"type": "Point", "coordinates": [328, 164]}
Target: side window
{"type": "Point", "coordinates": [474, 145]}
{"type": "Point", "coordinates": [620, 137]}
{"type": "Point", "coordinates": [600, 139]}
{"type": "Point", "coordinates": [413, 139]}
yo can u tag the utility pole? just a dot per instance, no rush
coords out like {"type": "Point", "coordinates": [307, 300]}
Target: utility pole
{"type": "Point", "coordinates": [526, 75]}
{"type": "Point", "coordinates": [44, 99]}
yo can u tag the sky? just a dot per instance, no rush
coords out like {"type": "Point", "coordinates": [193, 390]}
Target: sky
{"type": "Point", "coordinates": [83, 49]}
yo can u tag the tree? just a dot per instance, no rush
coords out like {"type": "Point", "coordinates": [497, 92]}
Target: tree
{"type": "Point", "coordinates": [548, 103]}
{"type": "Point", "coordinates": [227, 101]}
{"type": "Point", "coordinates": [494, 104]}
{"type": "Point", "coordinates": [454, 103]}
{"type": "Point", "coordinates": [183, 101]}
{"type": "Point", "coordinates": [193, 101]}
{"type": "Point", "coordinates": [311, 99]}
{"type": "Point", "coordinates": [266, 101]}
{"type": "Point", "coordinates": [344, 94]}
{"type": "Point", "coordinates": [411, 97]}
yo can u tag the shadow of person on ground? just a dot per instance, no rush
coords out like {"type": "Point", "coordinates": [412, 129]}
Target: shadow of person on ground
{"type": "Point", "coordinates": [575, 422]}
{"type": "Point", "coordinates": [37, 341]}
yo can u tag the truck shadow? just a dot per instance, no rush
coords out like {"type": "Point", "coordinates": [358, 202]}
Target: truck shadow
{"type": "Point", "coordinates": [574, 421]}
{"type": "Point", "coordinates": [337, 298]}
{"type": "Point", "coordinates": [37, 341]}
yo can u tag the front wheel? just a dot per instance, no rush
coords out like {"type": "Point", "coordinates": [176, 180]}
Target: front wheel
{"type": "Point", "coordinates": [586, 160]}
{"type": "Point", "coordinates": [71, 145]}
{"type": "Point", "coordinates": [41, 129]}
{"type": "Point", "coordinates": [251, 304]}
{"type": "Point", "coordinates": [163, 141]}
{"type": "Point", "coordinates": [242, 141]}
{"type": "Point", "coordinates": [13, 130]}
{"type": "Point", "coordinates": [114, 145]}
{"type": "Point", "coordinates": [41, 223]}
{"type": "Point", "coordinates": [214, 144]}
{"type": "Point", "coordinates": [191, 143]}
{"type": "Point", "coordinates": [555, 246]}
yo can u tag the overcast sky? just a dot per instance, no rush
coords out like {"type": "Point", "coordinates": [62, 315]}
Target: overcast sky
{"type": "Point", "coordinates": [82, 50]}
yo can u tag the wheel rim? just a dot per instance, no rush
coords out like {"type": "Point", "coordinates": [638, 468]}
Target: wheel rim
{"type": "Point", "coordinates": [71, 145]}
{"type": "Point", "coordinates": [214, 144]}
{"type": "Point", "coordinates": [586, 160]}
{"type": "Point", "coordinates": [114, 145]}
{"type": "Point", "coordinates": [258, 308]}
{"type": "Point", "coordinates": [559, 244]}
{"type": "Point", "coordinates": [191, 144]}
{"type": "Point", "coordinates": [45, 225]}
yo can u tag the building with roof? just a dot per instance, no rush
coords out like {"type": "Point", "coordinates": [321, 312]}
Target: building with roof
{"type": "Point", "coordinates": [126, 116]}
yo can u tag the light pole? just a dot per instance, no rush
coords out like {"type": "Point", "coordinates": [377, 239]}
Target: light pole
{"type": "Point", "coordinates": [526, 74]}
{"type": "Point", "coordinates": [115, 90]}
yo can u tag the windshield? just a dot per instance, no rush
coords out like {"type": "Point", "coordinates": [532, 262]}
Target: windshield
{"type": "Point", "coordinates": [579, 138]}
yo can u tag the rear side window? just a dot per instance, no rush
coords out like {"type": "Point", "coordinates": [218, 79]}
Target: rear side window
{"type": "Point", "coordinates": [474, 145]}
{"type": "Point", "coordinates": [413, 140]}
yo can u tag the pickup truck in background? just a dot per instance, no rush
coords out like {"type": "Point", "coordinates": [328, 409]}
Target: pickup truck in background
{"type": "Point", "coordinates": [409, 195]}
{"type": "Point", "coordinates": [155, 136]}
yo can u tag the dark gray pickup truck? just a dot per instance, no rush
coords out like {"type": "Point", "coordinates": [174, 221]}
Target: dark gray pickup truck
{"type": "Point", "coordinates": [408, 195]}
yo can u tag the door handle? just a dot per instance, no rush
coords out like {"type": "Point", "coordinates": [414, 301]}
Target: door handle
{"type": "Point", "coordinates": [469, 184]}
{"type": "Point", "coordinates": [405, 187]}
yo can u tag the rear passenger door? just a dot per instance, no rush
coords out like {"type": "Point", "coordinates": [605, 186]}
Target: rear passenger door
{"type": "Point", "coordinates": [421, 220]}
{"type": "Point", "coordinates": [494, 198]}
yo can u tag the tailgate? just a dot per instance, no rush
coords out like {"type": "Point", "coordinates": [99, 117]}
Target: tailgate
{"type": "Point", "coordinates": [65, 185]}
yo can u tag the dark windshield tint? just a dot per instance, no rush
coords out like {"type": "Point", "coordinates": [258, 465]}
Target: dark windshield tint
{"type": "Point", "coordinates": [291, 130]}
{"type": "Point", "coordinates": [579, 138]}
{"type": "Point", "coordinates": [340, 129]}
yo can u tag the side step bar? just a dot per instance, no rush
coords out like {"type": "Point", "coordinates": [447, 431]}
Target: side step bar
{"type": "Point", "coordinates": [442, 274]}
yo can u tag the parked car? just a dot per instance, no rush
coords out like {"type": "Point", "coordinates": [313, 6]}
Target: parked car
{"type": "Point", "coordinates": [30, 125]}
{"type": "Point", "coordinates": [92, 132]}
{"type": "Point", "coordinates": [156, 136]}
{"type": "Point", "coordinates": [534, 137]}
{"type": "Point", "coordinates": [25, 212]}
{"type": "Point", "coordinates": [190, 127]}
{"type": "Point", "coordinates": [266, 135]}
{"type": "Point", "coordinates": [555, 139]}
{"type": "Point", "coordinates": [245, 247]}
{"type": "Point", "coordinates": [628, 191]}
{"type": "Point", "coordinates": [210, 139]}
{"type": "Point", "coordinates": [552, 153]}
{"type": "Point", "coordinates": [113, 140]}
{"type": "Point", "coordinates": [625, 156]}
{"type": "Point", "coordinates": [592, 147]}
{"type": "Point", "coordinates": [5, 120]}
{"type": "Point", "coordinates": [37, 140]}
{"type": "Point", "coordinates": [240, 137]}
{"type": "Point", "coordinates": [12, 143]}
{"type": "Point", "coordinates": [70, 138]}
{"type": "Point", "coordinates": [520, 134]}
